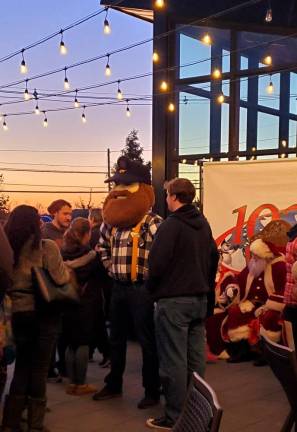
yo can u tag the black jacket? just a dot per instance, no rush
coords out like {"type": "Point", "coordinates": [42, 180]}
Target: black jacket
{"type": "Point", "coordinates": [183, 258]}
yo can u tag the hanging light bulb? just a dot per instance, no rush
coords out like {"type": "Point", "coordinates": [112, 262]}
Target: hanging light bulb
{"type": "Point", "coordinates": [267, 60]}
{"type": "Point", "coordinates": [26, 92]}
{"type": "Point", "coordinates": [159, 4]}
{"type": "Point", "coordinates": [45, 122]}
{"type": "Point", "coordinates": [216, 73]}
{"type": "Point", "coordinates": [128, 112]}
{"type": "Point", "coordinates": [83, 116]}
{"type": "Point", "coordinates": [270, 87]}
{"type": "Point", "coordinates": [171, 107]}
{"type": "Point", "coordinates": [221, 98]}
{"type": "Point", "coordinates": [184, 161]}
{"type": "Point", "coordinates": [164, 86]}
{"type": "Point", "coordinates": [119, 93]}
{"type": "Point", "coordinates": [37, 110]}
{"type": "Point", "coordinates": [268, 16]}
{"type": "Point", "coordinates": [63, 48]}
{"type": "Point", "coordinates": [76, 101]}
{"type": "Point", "coordinates": [23, 67]}
{"type": "Point", "coordinates": [4, 125]}
{"type": "Point", "coordinates": [106, 27]}
{"type": "Point", "coordinates": [66, 81]}
{"type": "Point", "coordinates": [107, 67]}
{"type": "Point", "coordinates": [206, 39]}
{"type": "Point", "coordinates": [284, 143]}
{"type": "Point", "coordinates": [156, 57]}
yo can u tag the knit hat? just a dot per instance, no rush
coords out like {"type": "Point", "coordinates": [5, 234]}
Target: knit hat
{"type": "Point", "coordinates": [275, 234]}
{"type": "Point", "coordinates": [129, 171]}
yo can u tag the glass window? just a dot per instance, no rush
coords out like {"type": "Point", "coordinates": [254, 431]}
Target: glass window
{"type": "Point", "coordinates": [268, 130]}
{"type": "Point", "coordinates": [292, 133]}
{"type": "Point", "coordinates": [269, 89]}
{"type": "Point", "coordinates": [293, 93]}
{"type": "Point", "coordinates": [191, 172]}
{"type": "Point", "coordinates": [242, 128]}
{"type": "Point", "coordinates": [225, 127]}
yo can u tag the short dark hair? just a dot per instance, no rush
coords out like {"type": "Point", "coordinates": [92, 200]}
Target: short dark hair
{"type": "Point", "coordinates": [183, 189]}
{"type": "Point", "coordinates": [96, 215]}
{"type": "Point", "coordinates": [75, 233]}
{"type": "Point", "coordinates": [56, 206]}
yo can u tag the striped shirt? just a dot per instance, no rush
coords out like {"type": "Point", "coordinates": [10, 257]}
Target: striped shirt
{"type": "Point", "coordinates": [115, 248]}
{"type": "Point", "coordinates": [291, 257]}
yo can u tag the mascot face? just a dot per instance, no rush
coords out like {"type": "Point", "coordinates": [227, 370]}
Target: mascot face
{"type": "Point", "coordinates": [126, 205]}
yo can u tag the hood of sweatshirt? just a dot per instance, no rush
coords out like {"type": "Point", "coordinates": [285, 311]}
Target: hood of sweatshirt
{"type": "Point", "coordinates": [190, 215]}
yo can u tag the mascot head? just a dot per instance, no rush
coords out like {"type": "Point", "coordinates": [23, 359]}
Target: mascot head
{"type": "Point", "coordinates": [132, 195]}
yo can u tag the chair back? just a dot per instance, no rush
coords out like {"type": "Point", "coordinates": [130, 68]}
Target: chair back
{"type": "Point", "coordinates": [202, 412]}
{"type": "Point", "coordinates": [282, 360]}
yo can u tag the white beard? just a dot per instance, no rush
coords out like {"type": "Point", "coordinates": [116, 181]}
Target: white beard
{"type": "Point", "coordinates": [256, 267]}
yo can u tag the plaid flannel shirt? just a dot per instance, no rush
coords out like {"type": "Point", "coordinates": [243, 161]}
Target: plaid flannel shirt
{"type": "Point", "coordinates": [291, 257]}
{"type": "Point", "coordinates": [115, 248]}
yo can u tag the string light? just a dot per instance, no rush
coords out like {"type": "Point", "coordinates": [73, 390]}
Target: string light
{"type": "Point", "coordinates": [63, 48]}
{"type": "Point", "coordinates": [284, 143]}
{"type": "Point", "coordinates": [270, 87]}
{"type": "Point", "coordinates": [107, 67]}
{"type": "Point", "coordinates": [184, 161]}
{"type": "Point", "coordinates": [26, 92]}
{"type": "Point", "coordinates": [106, 27]}
{"type": "Point", "coordinates": [66, 81]}
{"type": "Point", "coordinates": [76, 101]}
{"type": "Point", "coordinates": [156, 57]}
{"type": "Point", "coordinates": [23, 67]}
{"type": "Point", "coordinates": [83, 116]}
{"type": "Point", "coordinates": [267, 60]}
{"type": "Point", "coordinates": [253, 149]}
{"type": "Point", "coordinates": [221, 98]}
{"type": "Point", "coordinates": [37, 110]}
{"type": "Point", "coordinates": [119, 93]}
{"type": "Point", "coordinates": [216, 73]}
{"type": "Point", "coordinates": [128, 112]}
{"type": "Point", "coordinates": [171, 107]}
{"type": "Point", "coordinates": [211, 159]}
{"type": "Point", "coordinates": [283, 155]}
{"type": "Point", "coordinates": [159, 4]}
{"type": "Point", "coordinates": [4, 125]}
{"type": "Point", "coordinates": [268, 16]}
{"type": "Point", "coordinates": [206, 39]}
{"type": "Point", "coordinates": [45, 122]}
{"type": "Point", "coordinates": [164, 86]}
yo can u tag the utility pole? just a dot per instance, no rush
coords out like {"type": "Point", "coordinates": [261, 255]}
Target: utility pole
{"type": "Point", "coordinates": [108, 167]}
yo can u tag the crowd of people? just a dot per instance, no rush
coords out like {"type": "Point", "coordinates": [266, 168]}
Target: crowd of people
{"type": "Point", "coordinates": [127, 264]}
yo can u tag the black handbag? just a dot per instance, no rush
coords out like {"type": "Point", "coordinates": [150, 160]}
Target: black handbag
{"type": "Point", "coordinates": [51, 292]}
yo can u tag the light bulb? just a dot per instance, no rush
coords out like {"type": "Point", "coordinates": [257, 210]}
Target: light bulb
{"type": "Point", "coordinates": [221, 98]}
{"type": "Point", "coordinates": [66, 84]}
{"type": "Point", "coordinates": [283, 155]}
{"type": "Point", "coordinates": [128, 112]}
{"type": "Point", "coordinates": [268, 60]}
{"type": "Point", "coordinates": [268, 16]}
{"type": "Point", "coordinates": [63, 48]}
{"type": "Point", "coordinates": [156, 57]}
{"type": "Point", "coordinates": [23, 67]}
{"type": "Point", "coordinates": [164, 86]}
{"type": "Point", "coordinates": [107, 28]}
{"type": "Point", "coordinates": [76, 103]}
{"type": "Point", "coordinates": [216, 73]}
{"type": "Point", "coordinates": [26, 94]}
{"type": "Point", "coordinates": [206, 39]}
{"type": "Point", "coordinates": [37, 110]}
{"type": "Point", "coordinates": [171, 107]}
{"type": "Point", "coordinates": [120, 94]}
{"type": "Point", "coordinates": [184, 161]}
{"type": "Point", "coordinates": [159, 4]}
{"type": "Point", "coordinates": [253, 149]}
{"type": "Point", "coordinates": [45, 122]}
{"type": "Point", "coordinates": [107, 70]}
{"type": "Point", "coordinates": [4, 125]}
{"type": "Point", "coordinates": [270, 88]}
{"type": "Point", "coordinates": [83, 118]}
{"type": "Point", "coordinates": [284, 143]}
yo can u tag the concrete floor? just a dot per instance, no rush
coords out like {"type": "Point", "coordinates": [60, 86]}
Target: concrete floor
{"type": "Point", "coordinates": [252, 399]}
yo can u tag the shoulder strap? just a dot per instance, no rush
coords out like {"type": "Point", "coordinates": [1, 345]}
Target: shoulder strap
{"type": "Point", "coordinates": [135, 240]}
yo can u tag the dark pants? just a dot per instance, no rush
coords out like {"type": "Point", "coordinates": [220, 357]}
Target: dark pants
{"type": "Point", "coordinates": [290, 314]}
{"type": "Point", "coordinates": [133, 299]}
{"type": "Point", "coordinates": [35, 336]}
{"type": "Point", "coordinates": [77, 364]}
{"type": "Point", "coordinates": [180, 334]}
{"type": "Point", "coordinates": [100, 339]}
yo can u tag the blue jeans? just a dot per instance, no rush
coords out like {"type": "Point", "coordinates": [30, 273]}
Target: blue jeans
{"type": "Point", "coordinates": [180, 334]}
{"type": "Point", "coordinates": [133, 299]}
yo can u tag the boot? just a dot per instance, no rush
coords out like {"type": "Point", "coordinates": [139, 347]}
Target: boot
{"type": "Point", "coordinates": [36, 414]}
{"type": "Point", "coordinates": [12, 413]}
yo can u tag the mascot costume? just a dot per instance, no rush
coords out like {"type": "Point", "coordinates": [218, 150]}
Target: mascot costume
{"type": "Point", "coordinates": [127, 234]}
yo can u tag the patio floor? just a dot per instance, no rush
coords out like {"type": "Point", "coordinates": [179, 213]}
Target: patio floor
{"type": "Point", "coordinates": [252, 400]}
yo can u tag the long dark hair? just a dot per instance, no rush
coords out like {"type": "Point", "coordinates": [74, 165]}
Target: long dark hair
{"type": "Point", "coordinates": [23, 224]}
{"type": "Point", "coordinates": [75, 233]}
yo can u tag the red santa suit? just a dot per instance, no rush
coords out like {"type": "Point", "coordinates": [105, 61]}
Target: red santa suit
{"type": "Point", "coordinates": [260, 300]}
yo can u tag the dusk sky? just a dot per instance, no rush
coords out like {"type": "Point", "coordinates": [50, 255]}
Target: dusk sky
{"type": "Point", "coordinates": [22, 23]}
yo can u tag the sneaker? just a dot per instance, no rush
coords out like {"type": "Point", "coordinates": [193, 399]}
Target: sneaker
{"type": "Point", "coordinates": [159, 423]}
{"type": "Point", "coordinates": [54, 377]}
{"type": "Point", "coordinates": [105, 394]}
{"type": "Point", "coordinates": [148, 402]}
{"type": "Point", "coordinates": [84, 389]}
{"type": "Point", "coordinates": [105, 362]}
{"type": "Point", "coordinates": [71, 389]}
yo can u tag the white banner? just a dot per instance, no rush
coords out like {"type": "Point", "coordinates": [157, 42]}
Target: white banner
{"type": "Point", "coordinates": [240, 198]}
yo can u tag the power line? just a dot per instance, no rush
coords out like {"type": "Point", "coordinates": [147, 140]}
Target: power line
{"type": "Point", "coordinates": [54, 192]}
{"type": "Point", "coordinates": [52, 165]}
{"type": "Point", "coordinates": [50, 171]}
{"type": "Point", "coordinates": [47, 185]}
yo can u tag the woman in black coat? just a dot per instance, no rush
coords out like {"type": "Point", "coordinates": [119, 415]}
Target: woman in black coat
{"type": "Point", "coordinates": [79, 320]}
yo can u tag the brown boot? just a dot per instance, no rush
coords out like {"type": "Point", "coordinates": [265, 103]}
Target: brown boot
{"type": "Point", "coordinates": [12, 413]}
{"type": "Point", "coordinates": [36, 414]}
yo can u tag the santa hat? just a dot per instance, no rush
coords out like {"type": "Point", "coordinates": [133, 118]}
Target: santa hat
{"type": "Point", "coordinates": [261, 249]}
